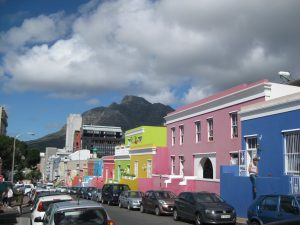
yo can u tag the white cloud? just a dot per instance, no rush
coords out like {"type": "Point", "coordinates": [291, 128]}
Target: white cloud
{"type": "Point", "coordinates": [151, 47]}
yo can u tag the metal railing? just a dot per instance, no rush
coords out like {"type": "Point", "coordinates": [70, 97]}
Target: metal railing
{"type": "Point", "coordinates": [295, 185]}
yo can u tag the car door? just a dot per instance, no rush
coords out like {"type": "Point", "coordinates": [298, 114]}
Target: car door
{"type": "Point", "coordinates": [180, 204]}
{"type": "Point", "coordinates": [268, 209]}
{"type": "Point", "coordinates": [190, 206]}
{"type": "Point", "coordinates": [146, 200]}
{"type": "Point", "coordinates": [288, 208]}
{"type": "Point", "coordinates": [105, 192]}
{"type": "Point", "coordinates": [152, 201]}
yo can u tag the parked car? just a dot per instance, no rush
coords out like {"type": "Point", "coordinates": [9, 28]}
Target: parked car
{"type": "Point", "coordinates": [271, 208]}
{"type": "Point", "coordinates": [159, 202]}
{"type": "Point", "coordinates": [203, 208]}
{"type": "Point", "coordinates": [88, 192]}
{"type": "Point", "coordinates": [62, 189]}
{"type": "Point", "coordinates": [97, 195]}
{"type": "Point", "coordinates": [111, 192]}
{"type": "Point", "coordinates": [76, 212]}
{"type": "Point", "coordinates": [38, 210]}
{"type": "Point", "coordinates": [73, 190]}
{"type": "Point", "coordinates": [28, 189]}
{"type": "Point", "coordinates": [130, 199]}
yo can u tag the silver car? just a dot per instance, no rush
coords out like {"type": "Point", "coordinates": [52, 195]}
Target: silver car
{"type": "Point", "coordinates": [130, 199]}
{"type": "Point", "coordinates": [76, 212]}
{"type": "Point", "coordinates": [97, 195]}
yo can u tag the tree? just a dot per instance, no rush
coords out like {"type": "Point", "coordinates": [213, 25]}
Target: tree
{"type": "Point", "coordinates": [34, 176]}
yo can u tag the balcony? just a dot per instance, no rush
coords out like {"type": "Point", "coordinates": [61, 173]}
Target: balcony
{"type": "Point", "coordinates": [121, 151]}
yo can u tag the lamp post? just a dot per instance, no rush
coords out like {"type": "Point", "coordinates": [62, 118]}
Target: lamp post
{"type": "Point", "coordinates": [13, 157]}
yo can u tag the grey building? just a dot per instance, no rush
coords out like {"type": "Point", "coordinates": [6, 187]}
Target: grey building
{"type": "Point", "coordinates": [101, 139]}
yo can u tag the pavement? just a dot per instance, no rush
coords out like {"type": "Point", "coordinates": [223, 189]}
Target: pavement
{"type": "Point", "coordinates": [11, 216]}
{"type": "Point", "coordinates": [242, 221]}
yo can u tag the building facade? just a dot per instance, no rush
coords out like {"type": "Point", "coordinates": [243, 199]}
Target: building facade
{"type": "Point", "coordinates": [74, 123]}
{"type": "Point", "coordinates": [206, 134]}
{"type": "Point", "coordinates": [102, 139]}
{"type": "Point", "coordinates": [271, 132]}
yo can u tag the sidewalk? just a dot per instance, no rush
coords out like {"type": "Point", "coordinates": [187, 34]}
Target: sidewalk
{"type": "Point", "coordinates": [241, 220]}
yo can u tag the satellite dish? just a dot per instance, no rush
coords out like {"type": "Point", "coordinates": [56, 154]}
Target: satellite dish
{"type": "Point", "coordinates": [285, 76]}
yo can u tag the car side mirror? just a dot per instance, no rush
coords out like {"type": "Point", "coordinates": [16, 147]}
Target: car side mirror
{"type": "Point", "coordinates": [38, 219]}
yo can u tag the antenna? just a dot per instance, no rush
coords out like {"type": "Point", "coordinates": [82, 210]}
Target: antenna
{"type": "Point", "coordinates": [285, 76]}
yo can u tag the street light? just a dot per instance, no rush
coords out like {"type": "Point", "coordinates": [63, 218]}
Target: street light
{"type": "Point", "coordinates": [14, 151]}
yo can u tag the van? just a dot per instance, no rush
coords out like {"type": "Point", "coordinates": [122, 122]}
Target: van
{"type": "Point", "coordinates": [111, 192]}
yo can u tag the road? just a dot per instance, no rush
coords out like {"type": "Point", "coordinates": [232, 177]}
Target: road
{"type": "Point", "coordinates": [119, 216]}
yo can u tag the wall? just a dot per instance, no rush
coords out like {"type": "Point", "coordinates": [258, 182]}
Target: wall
{"type": "Point", "coordinates": [123, 166]}
{"type": "Point", "coordinates": [142, 164]}
{"type": "Point", "coordinates": [161, 161]}
{"type": "Point", "coordinates": [237, 190]}
{"type": "Point", "coordinates": [271, 143]}
{"type": "Point", "coordinates": [98, 167]}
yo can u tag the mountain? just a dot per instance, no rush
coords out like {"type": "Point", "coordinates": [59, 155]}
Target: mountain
{"type": "Point", "coordinates": [132, 112]}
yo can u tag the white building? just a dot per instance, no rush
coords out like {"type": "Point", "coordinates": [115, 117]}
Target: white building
{"type": "Point", "coordinates": [74, 123]}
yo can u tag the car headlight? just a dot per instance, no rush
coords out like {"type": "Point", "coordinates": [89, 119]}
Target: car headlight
{"type": "Point", "coordinates": [209, 211]}
{"type": "Point", "coordinates": [162, 202]}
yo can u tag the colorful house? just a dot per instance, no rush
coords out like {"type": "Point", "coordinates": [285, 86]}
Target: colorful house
{"type": "Point", "coordinates": [206, 134]}
{"type": "Point", "coordinates": [271, 131]}
{"type": "Point", "coordinates": [143, 143]}
{"type": "Point", "coordinates": [122, 162]}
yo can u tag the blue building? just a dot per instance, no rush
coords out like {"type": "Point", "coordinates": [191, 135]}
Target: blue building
{"type": "Point", "coordinates": [271, 131]}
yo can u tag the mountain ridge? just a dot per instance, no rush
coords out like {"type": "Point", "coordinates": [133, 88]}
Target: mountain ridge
{"type": "Point", "coordinates": [133, 111]}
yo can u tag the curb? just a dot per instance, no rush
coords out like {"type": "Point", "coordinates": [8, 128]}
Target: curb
{"type": "Point", "coordinates": [241, 220]}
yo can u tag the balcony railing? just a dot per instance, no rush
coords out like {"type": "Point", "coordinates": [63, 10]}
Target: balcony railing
{"type": "Point", "coordinates": [295, 185]}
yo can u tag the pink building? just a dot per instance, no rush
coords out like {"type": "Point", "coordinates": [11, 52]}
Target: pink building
{"type": "Point", "coordinates": [206, 134]}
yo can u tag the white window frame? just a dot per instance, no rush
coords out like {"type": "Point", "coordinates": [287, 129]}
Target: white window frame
{"type": "Point", "coordinates": [149, 168]}
{"type": "Point", "coordinates": [292, 153]}
{"type": "Point", "coordinates": [234, 125]}
{"type": "Point", "coordinates": [198, 168]}
{"type": "Point", "coordinates": [210, 129]}
{"type": "Point", "coordinates": [172, 165]}
{"type": "Point", "coordinates": [198, 131]}
{"type": "Point", "coordinates": [181, 132]}
{"type": "Point", "coordinates": [181, 165]}
{"type": "Point", "coordinates": [251, 149]}
{"type": "Point", "coordinates": [136, 168]}
{"type": "Point", "coordinates": [173, 134]}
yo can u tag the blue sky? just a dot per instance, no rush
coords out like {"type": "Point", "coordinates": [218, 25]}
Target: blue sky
{"type": "Point", "coordinates": [67, 56]}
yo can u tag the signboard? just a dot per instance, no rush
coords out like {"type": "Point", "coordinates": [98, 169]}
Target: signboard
{"type": "Point", "coordinates": [243, 162]}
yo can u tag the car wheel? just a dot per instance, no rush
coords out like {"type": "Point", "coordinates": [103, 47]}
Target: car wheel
{"type": "Point", "coordinates": [198, 219]}
{"type": "Point", "coordinates": [128, 206]}
{"type": "Point", "coordinates": [175, 215]}
{"type": "Point", "coordinates": [120, 205]}
{"type": "Point", "coordinates": [142, 210]}
{"type": "Point", "coordinates": [157, 211]}
{"type": "Point", "coordinates": [254, 223]}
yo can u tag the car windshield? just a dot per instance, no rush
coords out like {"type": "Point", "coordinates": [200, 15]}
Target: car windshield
{"type": "Point", "coordinates": [135, 194]}
{"type": "Point", "coordinates": [81, 217]}
{"type": "Point", "coordinates": [121, 188]}
{"type": "Point", "coordinates": [206, 197]}
{"type": "Point", "coordinates": [164, 195]}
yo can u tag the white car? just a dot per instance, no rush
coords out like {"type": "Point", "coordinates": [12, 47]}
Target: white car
{"type": "Point", "coordinates": [28, 189]}
{"type": "Point", "coordinates": [39, 208]}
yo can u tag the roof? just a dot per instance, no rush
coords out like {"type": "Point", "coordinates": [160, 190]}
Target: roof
{"type": "Point", "coordinates": [77, 204]}
{"type": "Point", "coordinates": [52, 197]}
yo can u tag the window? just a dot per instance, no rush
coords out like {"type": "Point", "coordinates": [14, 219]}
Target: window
{"type": "Point", "coordinates": [292, 153]}
{"type": "Point", "coordinates": [149, 168]}
{"type": "Point", "coordinates": [234, 158]}
{"type": "Point", "coordinates": [205, 165]}
{"type": "Point", "coordinates": [288, 204]}
{"type": "Point", "coordinates": [181, 131]}
{"type": "Point", "coordinates": [198, 131]}
{"type": "Point", "coordinates": [172, 164]}
{"type": "Point", "coordinates": [181, 165]}
{"type": "Point", "coordinates": [234, 125]}
{"type": "Point", "coordinates": [210, 129]}
{"type": "Point", "coordinates": [270, 203]}
{"type": "Point", "coordinates": [173, 133]}
{"type": "Point", "coordinates": [251, 142]}
{"type": "Point", "coordinates": [208, 169]}
{"type": "Point", "coordinates": [136, 168]}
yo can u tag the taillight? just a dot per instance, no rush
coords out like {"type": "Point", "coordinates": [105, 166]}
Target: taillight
{"type": "Point", "coordinates": [40, 207]}
{"type": "Point", "coordinates": [110, 222]}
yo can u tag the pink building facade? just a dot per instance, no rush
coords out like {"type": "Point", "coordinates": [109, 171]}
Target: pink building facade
{"type": "Point", "coordinates": [206, 134]}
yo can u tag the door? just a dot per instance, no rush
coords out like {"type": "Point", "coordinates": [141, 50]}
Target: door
{"type": "Point", "coordinates": [288, 208]}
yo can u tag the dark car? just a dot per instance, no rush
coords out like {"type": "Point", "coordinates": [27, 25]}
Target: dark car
{"type": "Point", "coordinates": [159, 202]}
{"type": "Point", "coordinates": [111, 192]}
{"type": "Point", "coordinates": [88, 193]}
{"type": "Point", "coordinates": [203, 207]}
{"type": "Point", "coordinates": [271, 208]}
{"type": "Point", "coordinates": [73, 190]}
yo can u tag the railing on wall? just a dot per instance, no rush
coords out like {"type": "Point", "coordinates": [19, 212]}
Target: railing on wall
{"type": "Point", "coordinates": [295, 185]}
